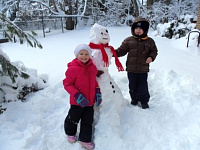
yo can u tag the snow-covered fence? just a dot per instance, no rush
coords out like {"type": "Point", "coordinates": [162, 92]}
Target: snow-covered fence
{"type": "Point", "coordinates": [47, 22]}
{"type": "Point", "coordinates": [52, 22]}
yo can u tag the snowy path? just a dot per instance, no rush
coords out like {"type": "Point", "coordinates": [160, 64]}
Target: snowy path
{"type": "Point", "coordinates": [171, 123]}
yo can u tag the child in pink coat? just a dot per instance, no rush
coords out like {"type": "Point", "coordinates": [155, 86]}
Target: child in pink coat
{"type": "Point", "coordinates": [80, 82]}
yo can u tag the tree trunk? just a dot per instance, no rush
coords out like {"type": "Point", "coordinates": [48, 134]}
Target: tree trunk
{"type": "Point", "coordinates": [69, 20]}
{"type": "Point", "coordinates": [167, 2]}
{"type": "Point", "coordinates": [69, 23]}
{"type": "Point", "coordinates": [136, 11]}
{"type": "Point", "coordinates": [149, 3]}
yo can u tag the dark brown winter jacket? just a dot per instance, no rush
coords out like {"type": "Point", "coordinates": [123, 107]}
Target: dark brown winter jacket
{"type": "Point", "coordinates": [137, 50]}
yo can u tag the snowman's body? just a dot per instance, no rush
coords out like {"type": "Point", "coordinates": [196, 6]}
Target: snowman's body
{"type": "Point", "coordinates": [112, 98]}
{"type": "Point", "coordinates": [97, 58]}
{"type": "Point", "coordinates": [99, 35]}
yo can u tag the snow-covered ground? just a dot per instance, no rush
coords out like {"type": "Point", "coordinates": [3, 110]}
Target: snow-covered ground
{"type": "Point", "coordinates": [171, 123]}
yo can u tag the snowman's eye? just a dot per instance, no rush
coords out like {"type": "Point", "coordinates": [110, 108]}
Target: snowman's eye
{"type": "Point", "coordinates": [102, 33]}
{"type": "Point", "coordinates": [107, 31]}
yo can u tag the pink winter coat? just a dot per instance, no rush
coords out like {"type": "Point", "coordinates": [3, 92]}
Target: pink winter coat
{"type": "Point", "coordinates": [81, 78]}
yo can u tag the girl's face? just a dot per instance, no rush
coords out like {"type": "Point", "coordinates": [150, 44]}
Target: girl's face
{"type": "Point", "coordinates": [138, 31]}
{"type": "Point", "coordinates": [83, 56]}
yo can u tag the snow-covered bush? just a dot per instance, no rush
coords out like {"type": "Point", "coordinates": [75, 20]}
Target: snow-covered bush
{"type": "Point", "coordinates": [17, 81]}
{"type": "Point", "coordinates": [129, 20]}
{"type": "Point", "coordinates": [176, 28]}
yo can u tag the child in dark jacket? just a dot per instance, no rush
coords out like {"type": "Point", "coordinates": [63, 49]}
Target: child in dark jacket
{"type": "Point", "coordinates": [141, 51]}
{"type": "Point", "coordinates": [80, 82]}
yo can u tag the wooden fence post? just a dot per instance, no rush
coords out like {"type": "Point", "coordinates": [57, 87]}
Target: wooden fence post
{"type": "Point", "coordinates": [198, 19]}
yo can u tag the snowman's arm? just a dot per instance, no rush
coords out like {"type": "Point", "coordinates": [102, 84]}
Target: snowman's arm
{"type": "Point", "coordinates": [100, 72]}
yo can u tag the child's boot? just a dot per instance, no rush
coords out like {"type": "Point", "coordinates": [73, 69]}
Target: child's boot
{"type": "Point", "coordinates": [144, 105]}
{"type": "Point", "coordinates": [71, 139]}
{"type": "Point", "coordinates": [134, 102]}
{"type": "Point", "coordinates": [87, 145]}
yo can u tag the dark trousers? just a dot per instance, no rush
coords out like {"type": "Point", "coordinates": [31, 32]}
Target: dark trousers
{"type": "Point", "coordinates": [138, 87]}
{"type": "Point", "coordinates": [86, 116]}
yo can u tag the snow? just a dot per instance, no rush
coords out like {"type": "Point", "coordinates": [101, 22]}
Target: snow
{"type": "Point", "coordinates": [171, 123]}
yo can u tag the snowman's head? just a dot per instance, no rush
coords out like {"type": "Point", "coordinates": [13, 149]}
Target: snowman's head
{"type": "Point", "coordinates": [99, 34]}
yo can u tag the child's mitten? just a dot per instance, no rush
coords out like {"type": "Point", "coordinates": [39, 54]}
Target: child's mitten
{"type": "Point", "coordinates": [81, 100]}
{"type": "Point", "coordinates": [98, 96]}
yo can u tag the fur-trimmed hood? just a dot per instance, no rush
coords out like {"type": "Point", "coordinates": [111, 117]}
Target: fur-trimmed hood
{"type": "Point", "coordinates": [142, 23]}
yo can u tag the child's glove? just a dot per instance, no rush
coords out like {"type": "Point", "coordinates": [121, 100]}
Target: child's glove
{"type": "Point", "coordinates": [98, 96]}
{"type": "Point", "coordinates": [81, 100]}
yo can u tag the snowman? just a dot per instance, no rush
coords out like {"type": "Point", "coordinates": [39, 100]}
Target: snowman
{"type": "Point", "coordinates": [112, 98]}
{"type": "Point", "coordinates": [102, 54]}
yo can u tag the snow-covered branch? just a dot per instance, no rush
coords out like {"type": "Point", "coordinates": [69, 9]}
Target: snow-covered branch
{"type": "Point", "coordinates": [11, 31]}
{"type": "Point", "coordinates": [45, 5]}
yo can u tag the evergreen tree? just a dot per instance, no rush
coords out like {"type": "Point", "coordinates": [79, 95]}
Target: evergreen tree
{"type": "Point", "coordinates": [9, 72]}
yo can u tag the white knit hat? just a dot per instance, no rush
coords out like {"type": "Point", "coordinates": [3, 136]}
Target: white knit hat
{"type": "Point", "coordinates": [82, 47]}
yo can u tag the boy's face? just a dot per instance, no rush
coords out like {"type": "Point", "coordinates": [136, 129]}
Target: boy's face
{"type": "Point", "coordinates": [138, 31]}
{"type": "Point", "coordinates": [83, 56]}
